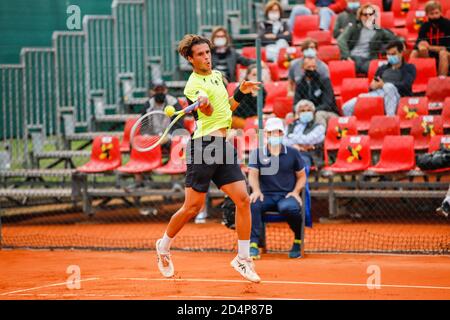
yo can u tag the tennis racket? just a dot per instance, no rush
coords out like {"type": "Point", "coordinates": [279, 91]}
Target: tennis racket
{"type": "Point", "coordinates": [152, 129]}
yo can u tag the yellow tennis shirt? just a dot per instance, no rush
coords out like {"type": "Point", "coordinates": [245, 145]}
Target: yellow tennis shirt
{"type": "Point", "coordinates": [212, 87]}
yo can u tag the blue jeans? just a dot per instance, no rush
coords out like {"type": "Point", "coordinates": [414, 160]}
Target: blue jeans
{"type": "Point", "coordinates": [276, 202]}
{"type": "Point", "coordinates": [325, 15]}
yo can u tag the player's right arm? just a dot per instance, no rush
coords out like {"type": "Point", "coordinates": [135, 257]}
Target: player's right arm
{"type": "Point", "coordinates": [194, 92]}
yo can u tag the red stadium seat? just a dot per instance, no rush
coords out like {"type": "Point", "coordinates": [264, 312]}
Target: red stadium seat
{"type": "Point", "coordinates": [425, 69]}
{"type": "Point", "coordinates": [414, 19]}
{"type": "Point", "coordinates": [353, 155]}
{"type": "Point", "coordinates": [274, 90]}
{"type": "Point", "coordinates": [447, 14]}
{"type": "Point", "coordinates": [352, 87]}
{"type": "Point", "coordinates": [400, 8]}
{"type": "Point", "coordinates": [438, 89]}
{"type": "Point", "coordinates": [337, 129]}
{"type": "Point", "coordinates": [231, 87]}
{"type": "Point", "coordinates": [380, 127]}
{"type": "Point", "coordinates": [323, 37]}
{"type": "Point", "coordinates": [302, 25]}
{"type": "Point", "coordinates": [142, 161]}
{"type": "Point", "coordinates": [424, 128]}
{"type": "Point", "coordinates": [250, 52]}
{"type": "Point", "coordinates": [285, 57]}
{"type": "Point", "coordinates": [410, 108]}
{"type": "Point", "coordinates": [373, 67]}
{"type": "Point", "coordinates": [387, 20]}
{"type": "Point", "coordinates": [397, 155]}
{"type": "Point", "coordinates": [274, 73]}
{"type": "Point", "coordinates": [446, 113]}
{"type": "Point", "coordinates": [177, 161]}
{"type": "Point", "coordinates": [125, 144]}
{"type": "Point", "coordinates": [365, 109]}
{"type": "Point", "coordinates": [183, 102]}
{"type": "Point", "coordinates": [437, 141]}
{"type": "Point", "coordinates": [282, 106]}
{"type": "Point", "coordinates": [105, 155]}
{"type": "Point", "coordinates": [328, 53]}
{"type": "Point", "coordinates": [377, 3]}
{"type": "Point", "coordinates": [339, 70]}
{"type": "Point", "coordinates": [248, 141]}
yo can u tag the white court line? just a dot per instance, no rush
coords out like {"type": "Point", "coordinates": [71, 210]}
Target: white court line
{"type": "Point", "coordinates": [233, 298]}
{"type": "Point", "coordinates": [46, 286]}
{"type": "Point", "coordinates": [293, 283]}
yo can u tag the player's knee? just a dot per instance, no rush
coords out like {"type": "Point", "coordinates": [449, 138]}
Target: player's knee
{"type": "Point", "coordinates": [243, 201]}
{"type": "Point", "coordinates": [192, 210]}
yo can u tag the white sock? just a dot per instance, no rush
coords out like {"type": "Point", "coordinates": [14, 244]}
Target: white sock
{"type": "Point", "coordinates": [244, 249]}
{"type": "Point", "coordinates": [164, 245]}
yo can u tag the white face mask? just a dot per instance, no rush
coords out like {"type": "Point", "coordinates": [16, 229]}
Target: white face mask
{"type": "Point", "coordinates": [220, 42]}
{"type": "Point", "coordinates": [274, 15]}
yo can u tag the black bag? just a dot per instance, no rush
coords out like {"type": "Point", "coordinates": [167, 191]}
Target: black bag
{"type": "Point", "coordinates": [229, 209]}
{"type": "Point", "coordinates": [432, 161]}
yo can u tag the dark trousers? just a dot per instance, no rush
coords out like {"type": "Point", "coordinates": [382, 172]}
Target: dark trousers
{"type": "Point", "coordinates": [276, 202]}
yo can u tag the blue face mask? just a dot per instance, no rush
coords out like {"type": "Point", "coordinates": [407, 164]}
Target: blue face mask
{"type": "Point", "coordinates": [306, 117]}
{"type": "Point", "coordinates": [353, 6]}
{"type": "Point", "coordinates": [393, 59]}
{"type": "Point", "coordinates": [310, 53]}
{"type": "Point", "coordinates": [275, 141]}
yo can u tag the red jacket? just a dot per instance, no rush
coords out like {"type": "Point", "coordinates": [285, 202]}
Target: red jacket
{"type": "Point", "coordinates": [337, 6]}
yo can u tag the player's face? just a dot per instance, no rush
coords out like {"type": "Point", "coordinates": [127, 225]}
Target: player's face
{"type": "Point", "coordinates": [201, 57]}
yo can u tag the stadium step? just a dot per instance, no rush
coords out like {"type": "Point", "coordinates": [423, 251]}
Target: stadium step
{"type": "Point", "coordinates": [36, 193]}
{"type": "Point", "coordinates": [91, 135]}
{"type": "Point", "coordinates": [120, 118]}
{"type": "Point", "coordinates": [36, 173]}
{"type": "Point", "coordinates": [62, 154]}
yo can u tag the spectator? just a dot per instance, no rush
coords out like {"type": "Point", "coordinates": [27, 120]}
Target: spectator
{"type": "Point", "coordinates": [363, 41]}
{"type": "Point", "coordinates": [305, 135]}
{"type": "Point", "coordinates": [326, 9]}
{"type": "Point", "coordinates": [296, 72]}
{"type": "Point", "coordinates": [224, 56]}
{"type": "Point", "coordinates": [346, 17]}
{"type": "Point", "coordinates": [318, 90]}
{"type": "Point", "coordinates": [444, 209]}
{"type": "Point", "coordinates": [434, 38]}
{"type": "Point", "coordinates": [276, 176]}
{"type": "Point", "coordinates": [248, 107]}
{"type": "Point", "coordinates": [274, 33]}
{"type": "Point", "coordinates": [392, 81]}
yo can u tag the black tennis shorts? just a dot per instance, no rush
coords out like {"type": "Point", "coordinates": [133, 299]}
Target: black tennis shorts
{"type": "Point", "coordinates": [211, 158]}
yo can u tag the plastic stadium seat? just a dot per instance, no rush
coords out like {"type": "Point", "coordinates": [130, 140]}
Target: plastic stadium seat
{"type": "Point", "coordinates": [282, 106]}
{"type": "Point", "coordinates": [410, 108]}
{"type": "Point", "coordinates": [380, 127]}
{"type": "Point", "coordinates": [302, 25]}
{"type": "Point", "coordinates": [339, 70]}
{"type": "Point", "coordinates": [250, 52]}
{"type": "Point", "coordinates": [373, 67]}
{"type": "Point", "coordinates": [446, 113]}
{"type": "Point", "coordinates": [231, 87]}
{"type": "Point", "coordinates": [447, 14]}
{"type": "Point", "coordinates": [352, 87]}
{"type": "Point", "coordinates": [437, 141]}
{"type": "Point", "coordinates": [337, 129]}
{"type": "Point", "coordinates": [105, 155]}
{"type": "Point", "coordinates": [285, 56]}
{"type": "Point", "coordinates": [365, 109]}
{"type": "Point", "coordinates": [142, 161]}
{"type": "Point", "coordinates": [397, 154]}
{"type": "Point", "coordinates": [424, 128]}
{"type": "Point", "coordinates": [353, 155]}
{"type": "Point", "coordinates": [387, 20]}
{"type": "Point", "coordinates": [400, 8]}
{"type": "Point", "coordinates": [438, 89]}
{"type": "Point", "coordinates": [274, 90]}
{"type": "Point", "coordinates": [414, 19]}
{"type": "Point", "coordinates": [251, 123]}
{"type": "Point", "coordinates": [329, 53]}
{"type": "Point", "coordinates": [247, 142]}
{"type": "Point", "coordinates": [323, 37]}
{"type": "Point", "coordinates": [378, 3]}
{"type": "Point", "coordinates": [425, 69]}
{"type": "Point", "coordinates": [125, 144]}
{"type": "Point", "coordinates": [177, 161]}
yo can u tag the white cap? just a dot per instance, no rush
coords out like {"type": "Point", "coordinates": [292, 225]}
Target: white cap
{"type": "Point", "coordinates": [274, 124]}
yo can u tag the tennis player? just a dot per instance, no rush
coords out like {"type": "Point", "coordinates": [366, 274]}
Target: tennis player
{"type": "Point", "coordinates": [213, 118]}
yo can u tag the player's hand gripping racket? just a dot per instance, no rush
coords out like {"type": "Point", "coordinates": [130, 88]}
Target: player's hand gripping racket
{"type": "Point", "coordinates": [152, 129]}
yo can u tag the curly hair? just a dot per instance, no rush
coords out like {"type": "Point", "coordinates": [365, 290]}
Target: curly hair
{"type": "Point", "coordinates": [190, 40]}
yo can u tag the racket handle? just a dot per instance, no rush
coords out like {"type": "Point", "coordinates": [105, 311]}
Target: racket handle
{"type": "Point", "coordinates": [191, 108]}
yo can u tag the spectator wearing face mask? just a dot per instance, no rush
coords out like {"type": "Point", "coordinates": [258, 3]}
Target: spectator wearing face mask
{"type": "Point", "coordinates": [346, 18]}
{"type": "Point", "coordinates": [326, 9]}
{"type": "Point", "coordinates": [434, 38]}
{"type": "Point", "coordinates": [305, 135]}
{"type": "Point", "coordinates": [248, 107]}
{"type": "Point", "coordinates": [296, 72]}
{"type": "Point", "coordinates": [317, 89]}
{"type": "Point", "coordinates": [391, 81]}
{"type": "Point", "coordinates": [224, 56]}
{"type": "Point", "coordinates": [273, 32]}
{"type": "Point", "coordinates": [364, 41]}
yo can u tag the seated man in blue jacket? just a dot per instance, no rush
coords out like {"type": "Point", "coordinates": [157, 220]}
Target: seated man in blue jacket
{"type": "Point", "coordinates": [392, 81]}
{"type": "Point", "coordinates": [276, 176]}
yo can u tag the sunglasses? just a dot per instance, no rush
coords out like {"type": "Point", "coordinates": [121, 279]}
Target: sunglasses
{"type": "Point", "coordinates": [368, 14]}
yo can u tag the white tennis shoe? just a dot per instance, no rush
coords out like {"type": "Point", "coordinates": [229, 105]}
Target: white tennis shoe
{"type": "Point", "coordinates": [246, 268]}
{"type": "Point", "coordinates": [165, 264]}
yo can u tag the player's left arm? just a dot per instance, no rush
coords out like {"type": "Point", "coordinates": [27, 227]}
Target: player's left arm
{"type": "Point", "coordinates": [246, 87]}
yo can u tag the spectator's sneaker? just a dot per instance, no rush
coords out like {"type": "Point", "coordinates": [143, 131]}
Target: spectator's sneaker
{"type": "Point", "coordinates": [254, 251]}
{"type": "Point", "coordinates": [295, 251]}
{"type": "Point", "coordinates": [246, 268]}
{"type": "Point", "coordinates": [165, 264]}
{"type": "Point", "coordinates": [444, 209]}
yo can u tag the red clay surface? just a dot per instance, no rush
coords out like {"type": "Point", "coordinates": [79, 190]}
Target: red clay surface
{"type": "Point", "coordinates": [30, 274]}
